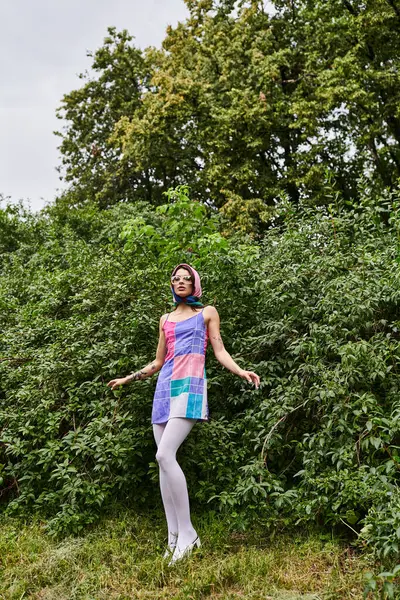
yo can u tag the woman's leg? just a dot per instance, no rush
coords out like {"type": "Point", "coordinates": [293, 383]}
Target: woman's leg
{"type": "Point", "coordinates": [170, 514]}
{"type": "Point", "coordinates": [175, 432]}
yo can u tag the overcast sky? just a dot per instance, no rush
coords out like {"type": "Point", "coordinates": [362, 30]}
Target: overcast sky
{"type": "Point", "coordinates": [43, 47]}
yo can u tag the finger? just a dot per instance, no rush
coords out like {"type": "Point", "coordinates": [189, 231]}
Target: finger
{"type": "Point", "coordinates": [256, 379]}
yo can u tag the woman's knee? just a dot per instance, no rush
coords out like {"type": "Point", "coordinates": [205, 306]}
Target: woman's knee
{"type": "Point", "coordinates": [164, 458]}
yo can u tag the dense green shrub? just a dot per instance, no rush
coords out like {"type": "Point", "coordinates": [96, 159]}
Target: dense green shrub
{"type": "Point", "coordinates": [313, 308]}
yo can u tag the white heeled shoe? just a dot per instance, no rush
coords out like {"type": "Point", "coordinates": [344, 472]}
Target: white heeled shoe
{"type": "Point", "coordinates": [171, 546]}
{"type": "Point", "coordinates": [179, 554]}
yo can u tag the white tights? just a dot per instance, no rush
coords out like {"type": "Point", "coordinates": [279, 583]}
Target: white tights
{"type": "Point", "coordinates": [169, 436]}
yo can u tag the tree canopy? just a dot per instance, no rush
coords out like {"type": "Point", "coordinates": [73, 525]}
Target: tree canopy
{"type": "Point", "coordinates": [243, 106]}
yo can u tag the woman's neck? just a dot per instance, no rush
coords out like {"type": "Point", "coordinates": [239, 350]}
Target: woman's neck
{"type": "Point", "coordinates": [183, 308]}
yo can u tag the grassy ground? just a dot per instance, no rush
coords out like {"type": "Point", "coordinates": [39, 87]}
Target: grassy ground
{"type": "Point", "coordinates": [120, 559]}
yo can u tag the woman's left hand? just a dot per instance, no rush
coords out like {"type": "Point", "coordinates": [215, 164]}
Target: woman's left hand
{"type": "Point", "coordinates": [250, 377]}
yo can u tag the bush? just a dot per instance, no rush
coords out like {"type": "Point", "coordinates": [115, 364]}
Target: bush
{"type": "Point", "coordinates": [313, 308]}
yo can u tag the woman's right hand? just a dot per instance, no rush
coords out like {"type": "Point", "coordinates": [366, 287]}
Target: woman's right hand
{"type": "Point", "coordinates": [114, 383]}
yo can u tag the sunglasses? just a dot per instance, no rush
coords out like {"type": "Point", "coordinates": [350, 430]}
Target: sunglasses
{"type": "Point", "coordinates": [177, 278]}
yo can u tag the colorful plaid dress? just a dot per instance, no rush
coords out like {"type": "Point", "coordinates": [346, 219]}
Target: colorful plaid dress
{"type": "Point", "coordinates": [181, 389]}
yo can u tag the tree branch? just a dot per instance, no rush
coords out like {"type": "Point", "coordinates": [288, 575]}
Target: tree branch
{"type": "Point", "coordinates": [350, 8]}
{"type": "Point", "coordinates": [13, 358]}
{"type": "Point", "coordinates": [395, 8]}
{"type": "Point", "coordinates": [264, 456]}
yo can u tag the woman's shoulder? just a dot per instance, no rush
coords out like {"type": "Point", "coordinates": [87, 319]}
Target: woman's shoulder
{"type": "Point", "coordinates": [163, 318]}
{"type": "Point", "coordinates": [210, 310]}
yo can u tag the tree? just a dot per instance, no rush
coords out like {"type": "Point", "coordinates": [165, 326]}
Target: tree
{"type": "Point", "coordinates": [245, 107]}
{"type": "Point", "coordinates": [349, 91]}
{"type": "Point", "coordinates": [91, 162]}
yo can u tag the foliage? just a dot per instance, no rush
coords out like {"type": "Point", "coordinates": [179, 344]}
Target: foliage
{"type": "Point", "coordinates": [325, 432]}
{"type": "Point", "coordinates": [242, 105]}
{"type": "Point", "coordinates": [382, 585]}
{"type": "Point", "coordinates": [110, 93]}
{"type": "Point", "coordinates": [79, 308]}
{"type": "Point", "coordinates": [313, 308]}
{"type": "Point", "coordinates": [13, 229]}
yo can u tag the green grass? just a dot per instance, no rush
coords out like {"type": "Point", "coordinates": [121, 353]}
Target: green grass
{"type": "Point", "coordinates": [120, 558]}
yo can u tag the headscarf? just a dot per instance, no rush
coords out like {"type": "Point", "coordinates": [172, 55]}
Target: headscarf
{"type": "Point", "coordinates": [194, 299]}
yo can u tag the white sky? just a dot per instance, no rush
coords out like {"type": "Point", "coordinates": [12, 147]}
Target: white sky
{"type": "Point", "coordinates": [43, 47]}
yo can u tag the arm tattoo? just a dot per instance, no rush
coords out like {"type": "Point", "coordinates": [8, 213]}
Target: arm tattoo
{"type": "Point", "coordinates": [218, 339]}
{"type": "Point", "coordinates": [146, 373]}
{"type": "Point", "coordinates": [138, 374]}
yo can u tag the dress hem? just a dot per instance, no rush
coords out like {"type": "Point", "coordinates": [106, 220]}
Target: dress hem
{"type": "Point", "coordinates": [205, 419]}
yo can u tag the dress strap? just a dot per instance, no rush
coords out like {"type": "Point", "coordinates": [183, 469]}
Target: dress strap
{"type": "Point", "coordinates": [166, 318]}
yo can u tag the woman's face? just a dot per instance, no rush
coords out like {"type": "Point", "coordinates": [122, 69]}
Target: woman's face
{"type": "Point", "coordinates": [182, 287]}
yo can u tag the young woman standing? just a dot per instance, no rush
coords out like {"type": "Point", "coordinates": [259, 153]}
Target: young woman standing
{"type": "Point", "coordinates": [180, 398]}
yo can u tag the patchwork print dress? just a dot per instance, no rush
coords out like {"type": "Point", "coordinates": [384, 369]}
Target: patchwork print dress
{"type": "Point", "coordinates": [181, 389]}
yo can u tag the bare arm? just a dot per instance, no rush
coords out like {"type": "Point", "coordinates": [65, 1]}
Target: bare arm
{"type": "Point", "coordinates": [149, 369]}
{"type": "Point", "coordinates": [223, 355]}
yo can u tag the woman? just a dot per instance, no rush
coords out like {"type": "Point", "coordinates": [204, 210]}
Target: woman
{"type": "Point", "coordinates": [180, 399]}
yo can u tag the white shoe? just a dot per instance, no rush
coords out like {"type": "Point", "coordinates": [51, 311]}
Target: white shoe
{"type": "Point", "coordinates": [171, 547]}
{"type": "Point", "coordinates": [179, 554]}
